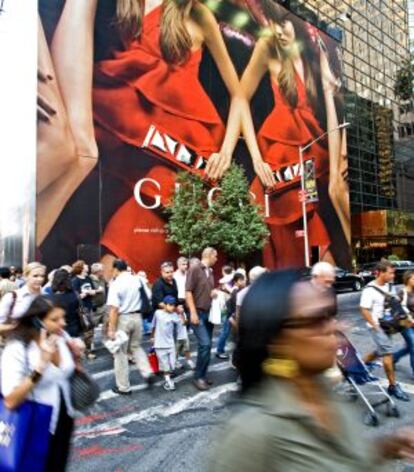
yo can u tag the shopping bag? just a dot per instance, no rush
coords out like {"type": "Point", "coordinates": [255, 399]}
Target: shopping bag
{"type": "Point", "coordinates": [218, 304]}
{"type": "Point", "coordinates": [153, 360]}
{"type": "Point", "coordinates": [24, 437]}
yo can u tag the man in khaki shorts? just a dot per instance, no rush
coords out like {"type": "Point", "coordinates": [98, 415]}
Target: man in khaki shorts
{"type": "Point", "coordinates": [373, 309]}
{"type": "Point", "coordinates": [124, 302]}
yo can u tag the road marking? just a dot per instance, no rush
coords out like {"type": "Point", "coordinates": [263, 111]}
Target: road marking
{"type": "Point", "coordinates": [152, 413]}
{"type": "Point", "coordinates": [108, 394]}
{"type": "Point", "coordinates": [108, 372]}
{"type": "Point", "coordinates": [98, 450]}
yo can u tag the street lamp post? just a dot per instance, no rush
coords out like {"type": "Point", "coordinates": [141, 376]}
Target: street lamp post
{"type": "Point", "coordinates": [302, 149]}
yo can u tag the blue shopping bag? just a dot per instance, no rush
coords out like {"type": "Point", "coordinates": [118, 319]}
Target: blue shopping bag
{"type": "Point", "coordinates": [24, 437]}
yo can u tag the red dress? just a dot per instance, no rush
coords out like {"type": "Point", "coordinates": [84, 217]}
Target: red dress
{"type": "Point", "coordinates": [132, 91]}
{"type": "Point", "coordinates": [282, 133]}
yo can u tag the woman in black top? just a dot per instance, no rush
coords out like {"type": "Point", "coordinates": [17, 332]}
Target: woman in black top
{"type": "Point", "coordinates": [65, 297]}
{"type": "Point", "coordinates": [83, 285]}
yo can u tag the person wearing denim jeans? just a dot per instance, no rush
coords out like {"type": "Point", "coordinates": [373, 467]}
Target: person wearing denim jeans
{"type": "Point", "coordinates": [238, 282]}
{"type": "Point", "coordinates": [408, 335]}
{"type": "Point", "coordinates": [199, 293]}
{"type": "Point", "coordinates": [204, 333]}
{"type": "Point", "coordinates": [406, 296]}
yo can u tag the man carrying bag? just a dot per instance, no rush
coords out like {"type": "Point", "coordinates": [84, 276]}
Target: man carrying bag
{"type": "Point", "coordinates": [382, 320]}
{"type": "Point", "coordinates": [126, 304]}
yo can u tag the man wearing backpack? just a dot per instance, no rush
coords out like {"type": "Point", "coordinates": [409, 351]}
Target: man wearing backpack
{"type": "Point", "coordinates": [374, 309]}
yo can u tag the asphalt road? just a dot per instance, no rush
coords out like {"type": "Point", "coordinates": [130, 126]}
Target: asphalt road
{"type": "Point", "coordinates": [157, 431]}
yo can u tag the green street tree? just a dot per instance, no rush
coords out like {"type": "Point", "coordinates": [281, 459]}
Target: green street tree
{"type": "Point", "coordinates": [404, 82]}
{"type": "Point", "coordinates": [190, 219]}
{"type": "Point", "coordinates": [238, 222]}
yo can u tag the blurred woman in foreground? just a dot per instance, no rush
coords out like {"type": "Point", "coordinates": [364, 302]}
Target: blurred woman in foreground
{"type": "Point", "coordinates": [291, 421]}
{"type": "Point", "coordinates": [37, 364]}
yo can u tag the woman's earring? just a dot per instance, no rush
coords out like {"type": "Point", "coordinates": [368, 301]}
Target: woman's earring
{"type": "Point", "coordinates": [285, 368]}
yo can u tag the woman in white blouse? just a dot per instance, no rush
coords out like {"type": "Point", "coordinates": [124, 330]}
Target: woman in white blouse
{"type": "Point", "coordinates": [15, 304]}
{"type": "Point", "coordinates": [37, 364]}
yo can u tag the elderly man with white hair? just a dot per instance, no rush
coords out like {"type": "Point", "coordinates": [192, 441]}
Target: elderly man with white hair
{"type": "Point", "coordinates": [323, 276]}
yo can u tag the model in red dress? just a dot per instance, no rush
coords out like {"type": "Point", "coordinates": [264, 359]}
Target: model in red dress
{"type": "Point", "coordinates": [283, 132]}
{"type": "Point", "coordinates": [292, 124]}
{"type": "Point", "coordinates": [139, 88]}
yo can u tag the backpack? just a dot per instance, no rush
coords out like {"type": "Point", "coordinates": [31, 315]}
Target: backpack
{"type": "Point", "coordinates": [394, 322]}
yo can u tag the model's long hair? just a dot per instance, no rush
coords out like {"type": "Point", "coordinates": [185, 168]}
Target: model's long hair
{"type": "Point", "coordinates": [129, 14]}
{"type": "Point", "coordinates": [287, 76]}
{"type": "Point", "coordinates": [175, 41]}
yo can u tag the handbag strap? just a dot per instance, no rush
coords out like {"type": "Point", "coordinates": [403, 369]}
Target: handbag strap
{"type": "Point", "coordinates": [385, 294]}
{"type": "Point", "coordinates": [27, 370]}
{"type": "Point", "coordinates": [12, 305]}
{"type": "Point", "coordinates": [74, 352]}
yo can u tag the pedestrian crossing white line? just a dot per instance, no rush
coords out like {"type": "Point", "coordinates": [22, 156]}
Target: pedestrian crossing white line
{"type": "Point", "coordinates": [108, 372]}
{"type": "Point", "coordinates": [109, 394]}
{"type": "Point", "coordinates": [117, 426]}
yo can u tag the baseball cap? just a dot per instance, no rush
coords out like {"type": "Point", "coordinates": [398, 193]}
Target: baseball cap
{"type": "Point", "coordinates": [170, 300]}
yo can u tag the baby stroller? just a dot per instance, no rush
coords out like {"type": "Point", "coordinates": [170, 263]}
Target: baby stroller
{"type": "Point", "coordinates": [357, 375]}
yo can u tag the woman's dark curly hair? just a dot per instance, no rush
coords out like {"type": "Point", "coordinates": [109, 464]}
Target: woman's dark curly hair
{"type": "Point", "coordinates": [61, 281]}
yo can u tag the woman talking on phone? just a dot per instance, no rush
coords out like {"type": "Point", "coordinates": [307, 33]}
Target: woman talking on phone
{"type": "Point", "coordinates": [36, 365]}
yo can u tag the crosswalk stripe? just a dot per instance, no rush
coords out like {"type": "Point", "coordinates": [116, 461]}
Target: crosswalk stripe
{"type": "Point", "coordinates": [108, 394]}
{"type": "Point", "coordinates": [108, 372]}
{"type": "Point", "coordinates": [117, 425]}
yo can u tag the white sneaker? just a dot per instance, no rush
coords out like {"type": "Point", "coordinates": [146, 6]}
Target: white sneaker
{"type": "Point", "coordinates": [169, 385]}
{"type": "Point", "coordinates": [190, 364]}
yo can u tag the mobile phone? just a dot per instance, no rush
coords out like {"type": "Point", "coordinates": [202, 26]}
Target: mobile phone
{"type": "Point", "coordinates": [38, 323]}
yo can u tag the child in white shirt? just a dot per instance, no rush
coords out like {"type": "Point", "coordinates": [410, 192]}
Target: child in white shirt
{"type": "Point", "coordinates": [163, 325]}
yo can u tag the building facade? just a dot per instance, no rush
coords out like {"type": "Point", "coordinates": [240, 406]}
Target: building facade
{"type": "Point", "coordinates": [375, 38]}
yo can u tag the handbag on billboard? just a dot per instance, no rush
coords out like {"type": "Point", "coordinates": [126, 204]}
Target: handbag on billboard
{"type": "Point", "coordinates": [169, 148]}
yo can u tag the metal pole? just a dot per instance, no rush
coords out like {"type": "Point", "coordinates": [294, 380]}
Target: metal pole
{"type": "Point", "coordinates": [302, 184]}
{"type": "Point", "coordinates": [304, 215]}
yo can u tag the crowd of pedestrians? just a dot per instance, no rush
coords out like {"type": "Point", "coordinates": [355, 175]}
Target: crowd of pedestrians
{"type": "Point", "coordinates": [47, 321]}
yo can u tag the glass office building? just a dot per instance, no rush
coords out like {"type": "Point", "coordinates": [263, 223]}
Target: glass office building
{"type": "Point", "coordinates": [376, 52]}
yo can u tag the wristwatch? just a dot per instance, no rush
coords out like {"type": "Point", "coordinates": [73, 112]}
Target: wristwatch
{"type": "Point", "coordinates": [35, 376]}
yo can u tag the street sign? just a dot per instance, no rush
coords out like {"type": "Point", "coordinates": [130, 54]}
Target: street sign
{"type": "Point", "coordinates": [311, 189]}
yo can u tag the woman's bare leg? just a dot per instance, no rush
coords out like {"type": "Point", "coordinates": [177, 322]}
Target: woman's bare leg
{"type": "Point", "coordinates": [72, 54]}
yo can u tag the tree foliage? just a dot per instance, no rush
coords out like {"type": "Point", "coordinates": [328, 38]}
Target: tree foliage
{"type": "Point", "coordinates": [232, 223]}
{"type": "Point", "coordinates": [238, 223]}
{"type": "Point", "coordinates": [190, 220]}
{"type": "Point", "coordinates": [404, 82]}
